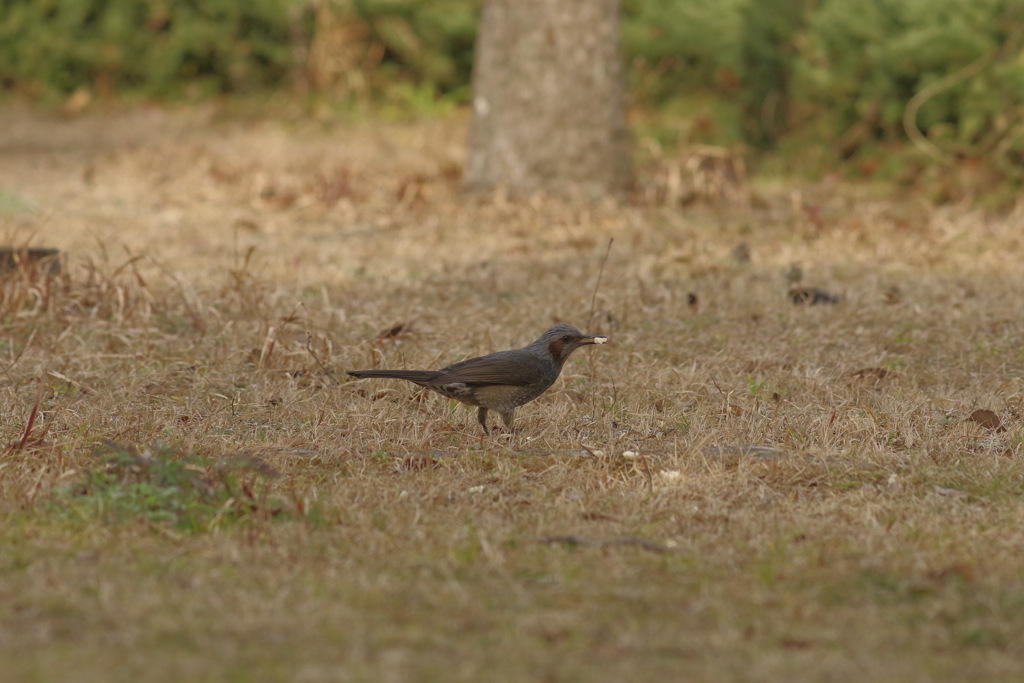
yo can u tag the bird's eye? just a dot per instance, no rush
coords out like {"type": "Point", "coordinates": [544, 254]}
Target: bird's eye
{"type": "Point", "coordinates": [567, 338]}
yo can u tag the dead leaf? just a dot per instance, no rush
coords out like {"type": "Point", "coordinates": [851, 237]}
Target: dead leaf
{"type": "Point", "coordinates": [943, 491]}
{"type": "Point", "coordinates": [246, 225]}
{"type": "Point", "coordinates": [987, 419]}
{"type": "Point", "coordinates": [419, 461]}
{"type": "Point", "coordinates": [812, 296]}
{"type": "Point", "coordinates": [394, 331]}
{"type": "Point", "coordinates": [960, 571]}
{"type": "Point", "coordinates": [78, 101]}
{"type": "Point", "coordinates": [598, 517]}
{"type": "Point", "coordinates": [872, 373]}
{"type": "Point", "coordinates": [741, 252]}
{"type": "Point", "coordinates": [753, 451]}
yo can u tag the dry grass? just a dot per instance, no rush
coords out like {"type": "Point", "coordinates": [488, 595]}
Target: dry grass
{"type": "Point", "coordinates": [605, 540]}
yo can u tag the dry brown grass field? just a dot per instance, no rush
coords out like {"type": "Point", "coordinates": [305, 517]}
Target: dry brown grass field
{"type": "Point", "coordinates": [192, 489]}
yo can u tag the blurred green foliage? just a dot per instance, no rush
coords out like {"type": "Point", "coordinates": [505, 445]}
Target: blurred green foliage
{"type": "Point", "coordinates": [674, 47]}
{"type": "Point", "coordinates": [155, 47]}
{"type": "Point", "coordinates": [866, 62]}
{"type": "Point", "coordinates": [768, 55]}
{"type": "Point", "coordinates": [781, 72]}
{"type": "Point", "coordinates": [425, 42]}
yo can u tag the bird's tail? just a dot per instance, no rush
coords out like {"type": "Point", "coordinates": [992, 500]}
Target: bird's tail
{"type": "Point", "coordinates": [418, 376]}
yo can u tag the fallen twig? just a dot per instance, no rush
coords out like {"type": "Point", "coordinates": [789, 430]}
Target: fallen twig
{"type": "Point", "coordinates": [324, 368]}
{"type": "Point", "coordinates": [574, 540]}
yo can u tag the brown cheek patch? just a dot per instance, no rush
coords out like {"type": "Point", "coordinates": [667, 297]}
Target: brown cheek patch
{"type": "Point", "coordinates": [555, 348]}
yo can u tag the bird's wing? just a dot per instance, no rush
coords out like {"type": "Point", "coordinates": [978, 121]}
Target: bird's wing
{"type": "Point", "coordinates": [497, 368]}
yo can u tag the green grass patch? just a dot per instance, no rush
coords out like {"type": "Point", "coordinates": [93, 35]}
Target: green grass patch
{"type": "Point", "coordinates": [163, 485]}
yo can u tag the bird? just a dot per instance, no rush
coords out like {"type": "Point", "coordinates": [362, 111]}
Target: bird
{"type": "Point", "coordinates": [501, 381]}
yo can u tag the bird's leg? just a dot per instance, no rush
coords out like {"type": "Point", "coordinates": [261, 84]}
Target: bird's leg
{"type": "Point", "coordinates": [507, 417]}
{"type": "Point", "coordinates": [481, 416]}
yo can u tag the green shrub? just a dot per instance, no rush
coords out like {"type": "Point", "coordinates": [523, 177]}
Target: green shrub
{"type": "Point", "coordinates": [425, 42]}
{"type": "Point", "coordinates": [157, 48]}
{"type": "Point", "coordinates": [674, 48]}
{"type": "Point", "coordinates": [868, 59]}
{"type": "Point", "coordinates": [767, 56]}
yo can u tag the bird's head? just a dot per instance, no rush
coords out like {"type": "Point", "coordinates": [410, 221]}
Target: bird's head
{"type": "Point", "coordinates": [561, 340]}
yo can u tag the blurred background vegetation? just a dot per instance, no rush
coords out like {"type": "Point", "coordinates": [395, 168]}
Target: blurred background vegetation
{"type": "Point", "coordinates": [891, 89]}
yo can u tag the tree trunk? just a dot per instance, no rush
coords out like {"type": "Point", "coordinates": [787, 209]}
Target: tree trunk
{"type": "Point", "coordinates": [548, 99]}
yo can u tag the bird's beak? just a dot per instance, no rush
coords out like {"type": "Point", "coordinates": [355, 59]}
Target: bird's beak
{"type": "Point", "coordinates": [593, 339]}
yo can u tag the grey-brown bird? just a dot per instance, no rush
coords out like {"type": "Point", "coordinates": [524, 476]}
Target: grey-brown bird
{"type": "Point", "coordinates": [501, 381]}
